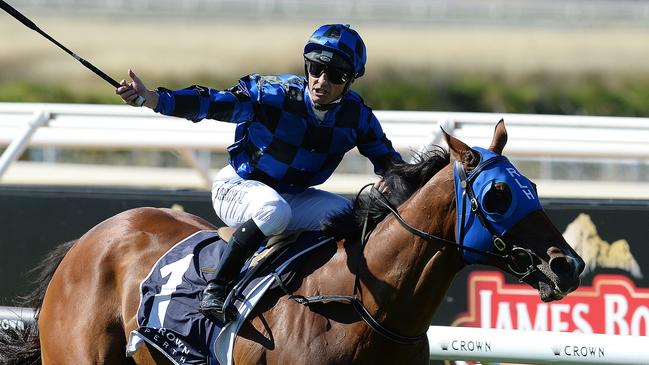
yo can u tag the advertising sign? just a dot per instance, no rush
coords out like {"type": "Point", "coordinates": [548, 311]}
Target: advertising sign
{"type": "Point", "coordinates": [613, 240]}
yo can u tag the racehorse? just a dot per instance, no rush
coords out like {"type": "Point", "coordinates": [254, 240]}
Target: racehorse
{"type": "Point", "coordinates": [436, 218]}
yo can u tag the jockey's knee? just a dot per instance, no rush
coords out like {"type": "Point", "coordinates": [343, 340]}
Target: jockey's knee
{"type": "Point", "coordinates": [339, 204]}
{"type": "Point", "coordinates": [273, 217]}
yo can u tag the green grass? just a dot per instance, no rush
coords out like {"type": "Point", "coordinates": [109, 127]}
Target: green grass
{"type": "Point", "coordinates": [535, 94]}
{"type": "Point", "coordinates": [600, 71]}
{"type": "Point", "coordinates": [30, 92]}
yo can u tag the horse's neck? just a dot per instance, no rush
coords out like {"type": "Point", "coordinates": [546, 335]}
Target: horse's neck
{"type": "Point", "coordinates": [413, 274]}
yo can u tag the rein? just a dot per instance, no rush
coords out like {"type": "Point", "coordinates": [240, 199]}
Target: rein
{"type": "Point", "coordinates": [498, 242]}
{"type": "Point", "coordinates": [354, 300]}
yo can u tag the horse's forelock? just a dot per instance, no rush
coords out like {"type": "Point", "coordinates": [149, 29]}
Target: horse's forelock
{"type": "Point", "coordinates": [401, 179]}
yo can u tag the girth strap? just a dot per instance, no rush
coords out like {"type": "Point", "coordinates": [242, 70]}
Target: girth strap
{"type": "Point", "coordinates": [380, 329]}
{"type": "Point", "coordinates": [347, 299]}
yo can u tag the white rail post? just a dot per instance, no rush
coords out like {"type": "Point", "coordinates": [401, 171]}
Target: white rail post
{"type": "Point", "coordinates": [447, 124]}
{"type": "Point", "coordinates": [191, 158]}
{"type": "Point", "coordinates": [18, 145]}
{"type": "Point", "coordinates": [435, 137]}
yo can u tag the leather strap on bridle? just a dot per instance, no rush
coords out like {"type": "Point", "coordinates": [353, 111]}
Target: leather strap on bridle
{"type": "Point", "coordinates": [357, 302]}
{"type": "Point", "coordinates": [498, 242]}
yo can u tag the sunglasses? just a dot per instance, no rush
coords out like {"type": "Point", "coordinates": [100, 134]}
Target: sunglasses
{"type": "Point", "coordinates": [335, 75]}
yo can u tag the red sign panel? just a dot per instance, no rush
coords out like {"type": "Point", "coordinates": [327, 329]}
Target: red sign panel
{"type": "Point", "coordinates": [612, 305]}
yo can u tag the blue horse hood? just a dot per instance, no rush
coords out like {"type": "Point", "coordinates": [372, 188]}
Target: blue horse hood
{"type": "Point", "coordinates": [493, 168]}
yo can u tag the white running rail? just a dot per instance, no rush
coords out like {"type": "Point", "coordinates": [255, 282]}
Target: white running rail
{"type": "Point", "coordinates": [486, 345]}
{"type": "Point", "coordinates": [122, 127]}
{"type": "Point", "coordinates": [535, 347]}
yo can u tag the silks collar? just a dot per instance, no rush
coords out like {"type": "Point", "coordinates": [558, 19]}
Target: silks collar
{"type": "Point", "coordinates": [477, 227]}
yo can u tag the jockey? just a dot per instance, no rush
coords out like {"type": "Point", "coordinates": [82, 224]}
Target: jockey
{"type": "Point", "coordinates": [292, 132]}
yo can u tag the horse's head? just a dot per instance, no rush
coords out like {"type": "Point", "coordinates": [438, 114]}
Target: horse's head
{"type": "Point", "coordinates": [501, 223]}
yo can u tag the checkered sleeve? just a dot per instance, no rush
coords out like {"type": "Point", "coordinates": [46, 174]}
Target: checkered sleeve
{"type": "Point", "coordinates": [197, 103]}
{"type": "Point", "coordinates": [375, 145]}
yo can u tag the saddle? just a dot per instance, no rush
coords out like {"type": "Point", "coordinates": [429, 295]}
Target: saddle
{"type": "Point", "coordinates": [264, 257]}
{"type": "Point", "coordinates": [169, 319]}
{"type": "Point", "coordinates": [285, 238]}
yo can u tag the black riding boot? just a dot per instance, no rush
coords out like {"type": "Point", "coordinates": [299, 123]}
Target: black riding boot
{"type": "Point", "coordinates": [243, 243]}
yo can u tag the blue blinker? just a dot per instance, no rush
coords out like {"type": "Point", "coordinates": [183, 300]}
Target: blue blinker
{"type": "Point", "coordinates": [492, 170]}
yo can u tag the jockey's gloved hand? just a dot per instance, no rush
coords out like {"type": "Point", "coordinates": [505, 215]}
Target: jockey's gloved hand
{"type": "Point", "coordinates": [382, 186]}
{"type": "Point", "coordinates": [135, 93]}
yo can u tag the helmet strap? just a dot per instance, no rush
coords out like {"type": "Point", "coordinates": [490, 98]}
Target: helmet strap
{"type": "Point", "coordinates": [347, 86]}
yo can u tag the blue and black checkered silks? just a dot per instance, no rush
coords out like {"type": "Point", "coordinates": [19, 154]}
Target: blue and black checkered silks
{"type": "Point", "coordinates": [341, 40]}
{"type": "Point", "coordinates": [278, 139]}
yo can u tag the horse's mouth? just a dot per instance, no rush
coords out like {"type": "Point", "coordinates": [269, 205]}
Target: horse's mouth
{"type": "Point", "coordinates": [553, 285]}
{"type": "Point", "coordinates": [549, 292]}
{"type": "Point", "coordinates": [548, 289]}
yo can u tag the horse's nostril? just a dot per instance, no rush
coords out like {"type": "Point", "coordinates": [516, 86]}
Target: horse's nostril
{"type": "Point", "coordinates": [567, 270]}
{"type": "Point", "coordinates": [561, 266]}
{"type": "Point", "coordinates": [554, 251]}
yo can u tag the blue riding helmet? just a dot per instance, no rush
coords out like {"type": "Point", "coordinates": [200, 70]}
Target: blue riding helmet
{"type": "Point", "coordinates": [338, 45]}
{"type": "Point", "coordinates": [492, 170]}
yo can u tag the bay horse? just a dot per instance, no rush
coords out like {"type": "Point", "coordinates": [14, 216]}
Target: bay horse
{"type": "Point", "coordinates": [436, 218]}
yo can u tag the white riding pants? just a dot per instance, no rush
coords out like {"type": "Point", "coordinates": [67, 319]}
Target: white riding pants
{"type": "Point", "coordinates": [237, 200]}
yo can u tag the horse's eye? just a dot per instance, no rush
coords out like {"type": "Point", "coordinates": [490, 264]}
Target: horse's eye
{"type": "Point", "coordinates": [497, 199]}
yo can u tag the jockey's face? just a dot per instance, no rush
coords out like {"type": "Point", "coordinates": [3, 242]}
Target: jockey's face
{"type": "Point", "coordinates": [325, 85]}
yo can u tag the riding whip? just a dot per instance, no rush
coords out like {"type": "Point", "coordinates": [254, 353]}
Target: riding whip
{"type": "Point", "coordinates": [23, 19]}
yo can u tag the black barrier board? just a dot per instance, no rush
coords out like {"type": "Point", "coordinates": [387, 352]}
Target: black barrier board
{"type": "Point", "coordinates": [613, 235]}
{"type": "Point", "coordinates": [34, 220]}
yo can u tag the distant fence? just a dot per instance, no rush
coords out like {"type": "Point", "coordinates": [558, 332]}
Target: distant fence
{"type": "Point", "coordinates": [116, 126]}
{"type": "Point", "coordinates": [526, 12]}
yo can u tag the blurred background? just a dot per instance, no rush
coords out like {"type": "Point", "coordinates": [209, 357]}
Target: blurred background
{"type": "Point", "coordinates": [427, 61]}
{"type": "Point", "coordinates": [568, 57]}
{"type": "Point", "coordinates": [523, 56]}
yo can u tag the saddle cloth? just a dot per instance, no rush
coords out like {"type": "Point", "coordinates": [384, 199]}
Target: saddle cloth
{"type": "Point", "coordinates": [168, 315]}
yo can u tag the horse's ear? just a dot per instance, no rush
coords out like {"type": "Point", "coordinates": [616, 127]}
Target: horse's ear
{"type": "Point", "coordinates": [499, 139]}
{"type": "Point", "coordinates": [461, 152]}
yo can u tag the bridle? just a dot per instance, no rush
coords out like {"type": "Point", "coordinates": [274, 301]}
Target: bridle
{"type": "Point", "coordinates": [509, 254]}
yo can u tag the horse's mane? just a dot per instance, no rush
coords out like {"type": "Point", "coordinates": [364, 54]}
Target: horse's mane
{"type": "Point", "coordinates": [401, 179]}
